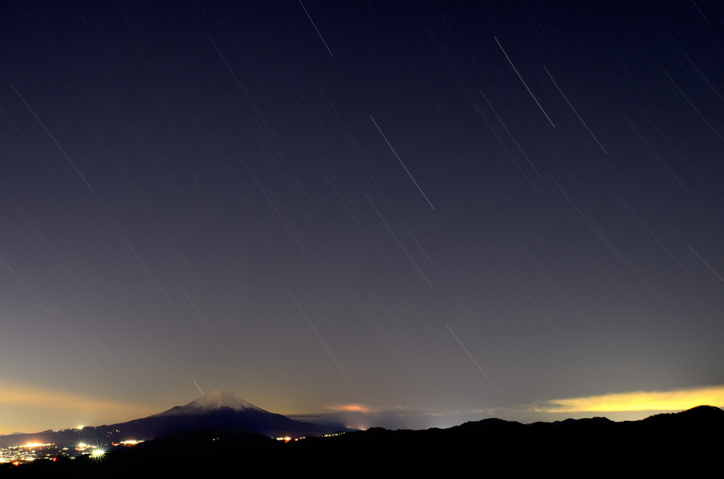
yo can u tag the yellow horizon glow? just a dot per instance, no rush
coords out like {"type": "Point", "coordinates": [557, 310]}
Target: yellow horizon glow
{"type": "Point", "coordinates": [676, 400]}
{"type": "Point", "coordinates": [26, 407]}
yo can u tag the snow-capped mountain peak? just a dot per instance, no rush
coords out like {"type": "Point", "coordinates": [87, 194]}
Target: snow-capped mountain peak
{"type": "Point", "coordinates": [213, 401]}
{"type": "Point", "coordinates": [221, 399]}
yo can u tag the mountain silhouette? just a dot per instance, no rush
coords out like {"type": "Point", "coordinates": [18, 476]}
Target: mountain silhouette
{"type": "Point", "coordinates": [220, 411]}
{"type": "Point", "coordinates": [678, 444]}
{"type": "Point", "coordinates": [217, 411]}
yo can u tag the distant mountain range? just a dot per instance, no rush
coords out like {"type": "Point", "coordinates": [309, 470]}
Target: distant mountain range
{"type": "Point", "coordinates": [686, 444]}
{"type": "Point", "coordinates": [217, 411]}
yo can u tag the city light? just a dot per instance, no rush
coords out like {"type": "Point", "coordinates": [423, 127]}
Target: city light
{"type": "Point", "coordinates": [97, 453]}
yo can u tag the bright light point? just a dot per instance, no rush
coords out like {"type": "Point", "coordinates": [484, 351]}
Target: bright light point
{"type": "Point", "coordinates": [35, 444]}
{"type": "Point", "coordinates": [97, 453]}
{"type": "Point", "coordinates": [130, 442]}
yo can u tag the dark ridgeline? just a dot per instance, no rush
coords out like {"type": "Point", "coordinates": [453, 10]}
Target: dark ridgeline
{"type": "Point", "coordinates": [688, 443]}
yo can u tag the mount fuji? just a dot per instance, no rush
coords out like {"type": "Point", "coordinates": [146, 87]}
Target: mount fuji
{"type": "Point", "coordinates": [219, 411]}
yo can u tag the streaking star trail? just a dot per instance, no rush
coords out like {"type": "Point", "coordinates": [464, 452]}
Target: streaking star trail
{"type": "Point", "coordinates": [196, 197]}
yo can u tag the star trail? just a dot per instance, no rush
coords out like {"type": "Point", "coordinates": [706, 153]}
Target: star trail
{"type": "Point", "coordinates": [201, 196]}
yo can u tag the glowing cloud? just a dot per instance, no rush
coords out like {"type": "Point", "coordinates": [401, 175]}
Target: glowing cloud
{"type": "Point", "coordinates": [638, 401]}
{"type": "Point", "coordinates": [350, 408]}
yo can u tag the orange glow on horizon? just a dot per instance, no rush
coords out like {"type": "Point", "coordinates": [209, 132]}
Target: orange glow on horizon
{"type": "Point", "coordinates": [350, 408]}
{"type": "Point", "coordinates": [26, 403]}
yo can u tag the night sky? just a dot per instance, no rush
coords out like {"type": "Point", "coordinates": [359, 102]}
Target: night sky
{"type": "Point", "coordinates": [411, 213]}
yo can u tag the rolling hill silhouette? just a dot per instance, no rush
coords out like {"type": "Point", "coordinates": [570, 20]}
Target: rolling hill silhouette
{"type": "Point", "coordinates": [687, 442]}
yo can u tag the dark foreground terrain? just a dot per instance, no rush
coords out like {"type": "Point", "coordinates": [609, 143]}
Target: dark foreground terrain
{"type": "Point", "coordinates": [689, 442]}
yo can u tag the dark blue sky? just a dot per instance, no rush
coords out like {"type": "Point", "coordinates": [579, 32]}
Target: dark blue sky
{"type": "Point", "coordinates": [401, 208]}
